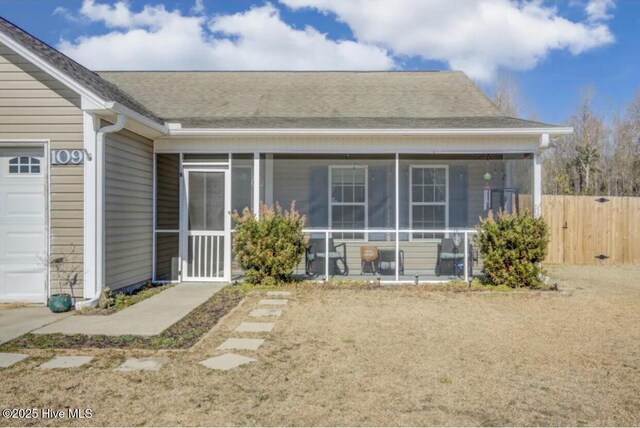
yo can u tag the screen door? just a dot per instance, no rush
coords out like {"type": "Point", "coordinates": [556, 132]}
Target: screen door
{"type": "Point", "coordinates": [207, 229]}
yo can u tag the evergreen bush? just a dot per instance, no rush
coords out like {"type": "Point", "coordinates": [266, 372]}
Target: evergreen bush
{"type": "Point", "coordinates": [269, 248]}
{"type": "Point", "coordinates": [513, 247]}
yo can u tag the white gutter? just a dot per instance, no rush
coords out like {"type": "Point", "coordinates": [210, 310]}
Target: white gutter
{"type": "Point", "coordinates": [176, 131]}
{"type": "Point", "coordinates": [99, 240]}
{"type": "Point", "coordinates": [121, 109]}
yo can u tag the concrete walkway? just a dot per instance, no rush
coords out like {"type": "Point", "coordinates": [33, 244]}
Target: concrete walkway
{"type": "Point", "coordinates": [19, 321]}
{"type": "Point", "coordinates": [147, 318]}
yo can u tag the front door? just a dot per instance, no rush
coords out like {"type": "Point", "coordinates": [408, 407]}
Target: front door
{"type": "Point", "coordinates": [206, 227]}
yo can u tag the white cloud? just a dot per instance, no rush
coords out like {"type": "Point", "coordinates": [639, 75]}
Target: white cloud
{"type": "Point", "coordinates": [66, 14]}
{"type": "Point", "coordinates": [198, 6]}
{"type": "Point", "coordinates": [598, 10]}
{"type": "Point", "coordinates": [479, 37]}
{"type": "Point", "coordinates": [156, 38]}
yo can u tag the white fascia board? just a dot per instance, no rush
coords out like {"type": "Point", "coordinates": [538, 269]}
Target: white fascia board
{"type": "Point", "coordinates": [90, 102]}
{"type": "Point", "coordinates": [365, 132]}
{"type": "Point", "coordinates": [133, 115]}
{"type": "Point", "coordinates": [52, 71]}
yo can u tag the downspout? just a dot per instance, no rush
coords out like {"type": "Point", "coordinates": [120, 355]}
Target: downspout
{"type": "Point", "coordinates": [99, 240]}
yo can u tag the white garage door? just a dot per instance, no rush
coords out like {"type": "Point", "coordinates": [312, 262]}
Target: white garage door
{"type": "Point", "coordinates": [22, 224]}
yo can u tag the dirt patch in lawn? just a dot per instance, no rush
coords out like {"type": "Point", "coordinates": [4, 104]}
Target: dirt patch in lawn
{"type": "Point", "coordinates": [182, 334]}
{"type": "Point", "coordinates": [383, 356]}
{"type": "Point", "coordinates": [7, 306]}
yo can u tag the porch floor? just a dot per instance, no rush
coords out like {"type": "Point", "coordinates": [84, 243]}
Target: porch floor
{"type": "Point", "coordinates": [147, 318]}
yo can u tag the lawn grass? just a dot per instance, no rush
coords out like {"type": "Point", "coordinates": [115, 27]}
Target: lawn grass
{"type": "Point", "coordinates": [380, 356]}
{"type": "Point", "coordinates": [182, 334]}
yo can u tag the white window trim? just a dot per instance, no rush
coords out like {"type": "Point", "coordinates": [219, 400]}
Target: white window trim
{"type": "Point", "coordinates": [30, 164]}
{"type": "Point", "coordinates": [445, 203]}
{"type": "Point", "coordinates": [337, 204]}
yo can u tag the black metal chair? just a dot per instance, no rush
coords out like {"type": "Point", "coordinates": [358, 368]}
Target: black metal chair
{"type": "Point", "coordinates": [315, 258]}
{"type": "Point", "coordinates": [450, 260]}
{"type": "Point", "coordinates": [386, 262]}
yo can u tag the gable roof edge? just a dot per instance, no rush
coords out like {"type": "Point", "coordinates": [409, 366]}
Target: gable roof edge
{"type": "Point", "coordinates": [90, 101]}
{"type": "Point", "coordinates": [52, 71]}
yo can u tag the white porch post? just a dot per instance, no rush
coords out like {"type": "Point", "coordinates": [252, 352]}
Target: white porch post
{"type": "Point", "coordinates": [397, 216]}
{"type": "Point", "coordinates": [256, 184]}
{"type": "Point", "coordinates": [537, 184]}
{"type": "Point", "coordinates": [91, 167]}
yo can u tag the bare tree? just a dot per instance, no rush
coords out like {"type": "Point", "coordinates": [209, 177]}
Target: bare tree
{"type": "Point", "coordinates": [586, 147]}
{"type": "Point", "coordinates": [624, 175]}
{"type": "Point", "coordinates": [507, 95]}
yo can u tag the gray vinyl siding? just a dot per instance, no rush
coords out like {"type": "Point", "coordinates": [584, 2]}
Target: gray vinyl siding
{"type": "Point", "coordinates": [292, 182]}
{"type": "Point", "coordinates": [33, 105]}
{"type": "Point", "coordinates": [128, 209]}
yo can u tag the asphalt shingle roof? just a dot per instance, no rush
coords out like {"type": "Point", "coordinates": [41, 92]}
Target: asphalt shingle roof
{"type": "Point", "coordinates": [321, 99]}
{"type": "Point", "coordinates": [285, 99]}
{"type": "Point", "coordinates": [263, 94]}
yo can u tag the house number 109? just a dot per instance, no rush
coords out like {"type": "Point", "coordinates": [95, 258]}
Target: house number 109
{"type": "Point", "coordinates": [67, 157]}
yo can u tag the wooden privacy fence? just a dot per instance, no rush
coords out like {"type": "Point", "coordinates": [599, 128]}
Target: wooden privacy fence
{"type": "Point", "coordinates": [592, 229]}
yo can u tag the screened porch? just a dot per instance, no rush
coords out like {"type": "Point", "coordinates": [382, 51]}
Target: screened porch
{"type": "Point", "coordinates": [392, 218]}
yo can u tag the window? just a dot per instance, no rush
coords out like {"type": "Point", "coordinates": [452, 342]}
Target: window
{"type": "Point", "coordinates": [428, 199]}
{"type": "Point", "coordinates": [348, 205]}
{"type": "Point", "coordinates": [24, 165]}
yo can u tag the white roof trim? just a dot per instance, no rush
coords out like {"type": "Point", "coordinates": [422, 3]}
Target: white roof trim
{"type": "Point", "coordinates": [369, 131]}
{"type": "Point", "coordinates": [90, 101]}
{"type": "Point", "coordinates": [49, 69]}
{"type": "Point", "coordinates": [133, 115]}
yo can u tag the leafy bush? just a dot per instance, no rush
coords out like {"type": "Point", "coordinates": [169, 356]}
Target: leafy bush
{"type": "Point", "coordinates": [513, 246]}
{"type": "Point", "coordinates": [269, 248]}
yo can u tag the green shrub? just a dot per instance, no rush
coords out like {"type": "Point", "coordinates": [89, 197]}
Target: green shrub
{"type": "Point", "coordinates": [512, 247]}
{"type": "Point", "coordinates": [269, 248]}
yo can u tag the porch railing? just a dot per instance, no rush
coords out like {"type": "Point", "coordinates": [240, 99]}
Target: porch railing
{"type": "Point", "coordinates": [465, 238]}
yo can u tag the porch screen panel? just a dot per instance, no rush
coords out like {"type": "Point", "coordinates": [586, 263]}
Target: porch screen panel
{"type": "Point", "coordinates": [167, 253]}
{"type": "Point", "coordinates": [521, 167]}
{"type": "Point", "coordinates": [242, 182]}
{"type": "Point", "coordinates": [167, 191]}
{"type": "Point", "coordinates": [167, 224]}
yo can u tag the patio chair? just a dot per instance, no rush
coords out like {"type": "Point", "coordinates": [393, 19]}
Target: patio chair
{"type": "Point", "coordinates": [450, 259]}
{"type": "Point", "coordinates": [369, 258]}
{"type": "Point", "coordinates": [315, 257]}
{"type": "Point", "coordinates": [387, 262]}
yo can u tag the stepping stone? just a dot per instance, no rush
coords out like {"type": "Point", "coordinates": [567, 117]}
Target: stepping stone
{"type": "Point", "coordinates": [255, 327]}
{"type": "Point", "coordinates": [258, 313]}
{"type": "Point", "coordinates": [273, 301]}
{"type": "Point", "coordinates": [7, 359]}
{"type": "Point", "coordinates": [242, 344]}
{"type": "Point", "coordinates": [133, 364]}
{"type": "Point", "coordinates": [226, 362]}
{"type": "Point", "coordinates": [279, 293]}
{"type": "Point", "coordinates": [65, 362]}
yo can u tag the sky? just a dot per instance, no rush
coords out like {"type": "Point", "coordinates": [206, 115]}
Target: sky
{"type": "Point", "coordinates": [555, 51]}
